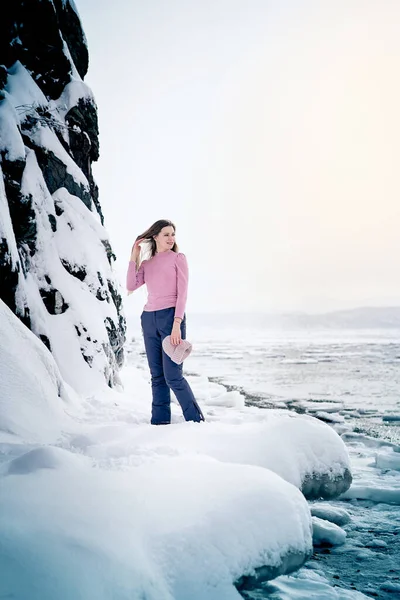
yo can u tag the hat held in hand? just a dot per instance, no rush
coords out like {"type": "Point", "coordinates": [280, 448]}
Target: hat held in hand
{"type": "Point", "coordinates": [176, 353]}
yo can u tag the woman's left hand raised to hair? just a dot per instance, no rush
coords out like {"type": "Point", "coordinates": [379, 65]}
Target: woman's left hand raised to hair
{"type": "Point", "coordinates": [176, 334]}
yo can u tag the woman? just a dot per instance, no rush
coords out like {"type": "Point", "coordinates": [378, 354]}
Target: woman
{"type": "Point", "coordinates": [166, 276]}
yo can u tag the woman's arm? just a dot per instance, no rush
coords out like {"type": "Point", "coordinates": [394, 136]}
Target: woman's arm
{"type": "Point", "coordinates": [182, 281]}
{"type": "Point", "coordinates": [134, 279]}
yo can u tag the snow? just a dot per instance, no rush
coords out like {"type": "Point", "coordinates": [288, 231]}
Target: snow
{"type": "Point", "coordinates": [388, 460]}
{"type": "Point", "coordinates": [6, 228]}
{"type": "Point", "coordinates": [46, 138]}
{"type": "Point", "coordinates": [377, 478]}
{"type": "Point", "coordinates": [336, 515]}
{"type": "Point", "coordinates": [294, 446]}
{"type": "Point", "coordinates": [77, 223]}
{"type": "Point", "coordinates": [153, 524]}
{"type": "Point", "coordinates": [377, 493]}
{"type": "Point", "coordinates": [24, 93]}
{"type": "Point", "coordinates": [108, 531]}
{"type": "Point", "coordinates": [23, 97]}
{"type": "Point", "coordinates": [97, 480]}
{"type": "Point", "coordinates": [309, 584]}
{"type": "Point", "coordinates": [10, 137]}
{"type": "Point", "coordinates": [375, 388]}
{"type": "Point", "coordinates": [360, 440]}
{"type": "Point", "coordinates": [78, 239]}
{"type": "Point", "coordinates": [232, 399]}
{"type": "Point", "coordinates": [23, 90]}
{"type": "Point", "coordinates": [329, 417]}
{"type": "Point", "coordinates": [327, 533]}
{"type": "Point", "coordinates": [33, 397]}
{"type": "Point", "coordinates": [96, 502]}
{"type": "Point", "coordinates": [72, 93]}
{"type": "Point", "coordinates": [322, 407]}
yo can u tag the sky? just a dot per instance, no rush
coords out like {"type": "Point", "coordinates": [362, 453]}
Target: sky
{"type": "Point", "coordinates": [267, 131]}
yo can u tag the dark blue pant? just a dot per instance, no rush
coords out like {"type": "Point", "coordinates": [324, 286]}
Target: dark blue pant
{"type": "Point", "coordinates": [165, 373]}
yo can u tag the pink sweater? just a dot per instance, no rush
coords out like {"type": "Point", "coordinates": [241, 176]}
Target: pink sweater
{"type": "Point", "coordinates": [166, 276]}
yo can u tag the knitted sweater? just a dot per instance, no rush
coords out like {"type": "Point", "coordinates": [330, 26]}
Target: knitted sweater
{"type": "Point", "coordinates": [166, 276]}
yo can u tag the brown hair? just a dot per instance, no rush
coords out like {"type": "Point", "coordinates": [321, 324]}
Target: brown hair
{"type": "Point", "coordinates": [148, 236]}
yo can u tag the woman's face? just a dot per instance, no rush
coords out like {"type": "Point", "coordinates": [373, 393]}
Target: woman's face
{"type": "Point", "coordinates": [165, 239]}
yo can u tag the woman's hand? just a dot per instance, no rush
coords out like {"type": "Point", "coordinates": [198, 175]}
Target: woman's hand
{"type": "Point", "coordinates": [136, 249]}
{"type": "Point", "coordinates": [176, 334]}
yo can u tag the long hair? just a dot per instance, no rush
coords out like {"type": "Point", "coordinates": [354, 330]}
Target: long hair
{"type": "Point", "coordinates": [148, 237]}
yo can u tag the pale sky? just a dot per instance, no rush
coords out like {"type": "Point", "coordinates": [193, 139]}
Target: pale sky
{"type": "Point", "coordinates": [267, 131]}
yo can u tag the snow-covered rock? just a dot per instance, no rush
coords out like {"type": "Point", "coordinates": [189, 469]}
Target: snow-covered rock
{"type": "Point", "coordinates": [299, 448]}
{"type": "Point", "coordinates": [326, 533]}
{"type": "Point", "coordinates": [175, 529]}
{"type": "Point", "coordinates": [55, 255]}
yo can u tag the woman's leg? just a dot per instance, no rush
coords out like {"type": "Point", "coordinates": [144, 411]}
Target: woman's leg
{"type": "Point", "coordinates": [173, 373]}
{"type": "Point", "coordinates": [161, 406]}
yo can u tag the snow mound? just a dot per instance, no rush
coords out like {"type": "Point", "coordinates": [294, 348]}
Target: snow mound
{"type": "Point", "coordinates": [301, 449]}
{"type": "Point", "coordinates": [178, 528]}
{"type": "Point", "coordinates": [22, 89]}
{"type": "Point", "coordinates": [33, 397]}
{"type": "Point", "coordinates": [46, 457]}
{"type": "Point", "coordinates": [136, 511]}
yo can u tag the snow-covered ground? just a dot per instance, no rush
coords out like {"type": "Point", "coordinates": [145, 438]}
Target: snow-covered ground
{"type": "Point", "coordinates": [95, 502]}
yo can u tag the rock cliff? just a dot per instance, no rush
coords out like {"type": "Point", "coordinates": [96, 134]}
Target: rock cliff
{"type": "Point", "coordinates": [55, 255]}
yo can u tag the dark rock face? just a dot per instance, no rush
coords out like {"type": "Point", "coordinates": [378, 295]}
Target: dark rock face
{"type": "Point", "coordinates": [73, 34]}
{"type": "Point", "coordinates": [34, 31]}
{"type": "Point", "coordinates": [325, 486]}
{"type": "Point", "coordinates": [55, 256]}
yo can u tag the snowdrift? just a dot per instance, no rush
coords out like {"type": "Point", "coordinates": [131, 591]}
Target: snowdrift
{"type": "Point", "coordinates": [33, 396]}
{"type": "Point", "coordinates": [95, 502]}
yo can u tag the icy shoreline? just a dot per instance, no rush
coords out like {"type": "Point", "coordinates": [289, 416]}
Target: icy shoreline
{"type": "Point", "coordinates": [199, 509]}
{"type": "Point", "coordinates": [192, 509]}
{"type": "Point", "coordinates": [367, 560]}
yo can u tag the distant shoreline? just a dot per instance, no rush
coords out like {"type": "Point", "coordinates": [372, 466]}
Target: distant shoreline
{"type": "Point", "coordinates": [357, 318]}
